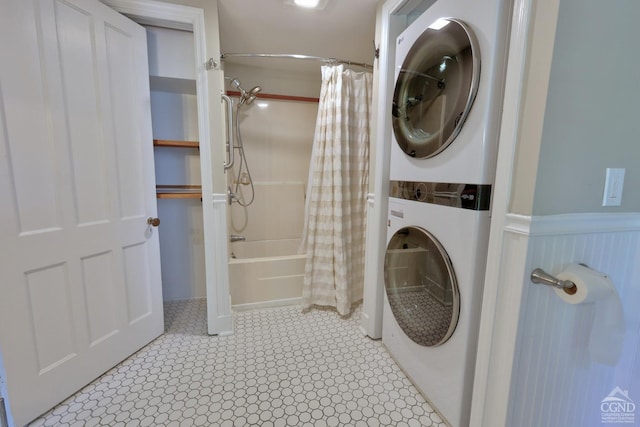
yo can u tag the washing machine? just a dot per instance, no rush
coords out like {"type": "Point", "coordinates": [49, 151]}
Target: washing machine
{"type": "Point", "coordinates": [434, 271]}
{"type": "Point", "coordinates": [449, 80]}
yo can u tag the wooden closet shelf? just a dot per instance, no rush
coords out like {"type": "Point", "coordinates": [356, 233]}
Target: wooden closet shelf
{"type": "Point", "coordinates": [179, 191]}
{"type": "Point", "coordinates": [173, 143]}
{"type": "Point", "coordinates": [179, 195]}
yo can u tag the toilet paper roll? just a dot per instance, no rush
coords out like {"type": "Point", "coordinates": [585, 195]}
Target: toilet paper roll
{"type": "Point", "coordinates": [607, 332]}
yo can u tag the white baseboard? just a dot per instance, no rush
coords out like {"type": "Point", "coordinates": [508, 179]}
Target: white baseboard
{"type": "Point", "coordinates": [267, 304]}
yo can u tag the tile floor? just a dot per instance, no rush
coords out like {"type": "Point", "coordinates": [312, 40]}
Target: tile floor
{"type": "Point", "coordinates": [280, 368]}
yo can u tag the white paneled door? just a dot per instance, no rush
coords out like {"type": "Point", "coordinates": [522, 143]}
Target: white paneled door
{"type": "Point", "coordinates": [79, 265]}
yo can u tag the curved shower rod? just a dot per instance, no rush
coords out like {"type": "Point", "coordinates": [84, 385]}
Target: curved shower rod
{"type": "Point", "coordinates": [295, 56]}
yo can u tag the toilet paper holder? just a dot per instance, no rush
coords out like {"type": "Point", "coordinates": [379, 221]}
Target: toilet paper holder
{"type": "Point", "coordinates": [542, 277]}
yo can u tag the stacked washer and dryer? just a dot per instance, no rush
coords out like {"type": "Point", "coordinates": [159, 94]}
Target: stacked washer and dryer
{"type": "Point", "coordinates": [450, 65]}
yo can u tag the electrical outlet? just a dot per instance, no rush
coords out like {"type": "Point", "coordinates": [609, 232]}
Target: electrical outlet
{"type": "Point", "coordinates": [613, 183]}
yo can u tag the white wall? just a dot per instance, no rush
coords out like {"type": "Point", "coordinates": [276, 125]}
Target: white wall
{"type": "Point", "coordinates": [170, 53]}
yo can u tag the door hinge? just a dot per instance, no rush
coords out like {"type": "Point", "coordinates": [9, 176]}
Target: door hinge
{"type": "Point", "coordinates": [4, 422]}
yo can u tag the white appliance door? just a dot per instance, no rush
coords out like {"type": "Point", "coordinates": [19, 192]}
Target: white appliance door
{"type": "Point", "coordinates": [79, 265]}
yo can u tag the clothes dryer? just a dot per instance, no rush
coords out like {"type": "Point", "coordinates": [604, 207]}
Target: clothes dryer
{"type": "Point", "coordinates": [449, 79]}
{"type": "Point", "coordinates": [434, 271]}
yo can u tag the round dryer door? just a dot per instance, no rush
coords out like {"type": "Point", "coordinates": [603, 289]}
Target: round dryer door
{"type": "Point", "coordinates": [421, 286]}
{"type": "Point", "coordinates": [435, 89]}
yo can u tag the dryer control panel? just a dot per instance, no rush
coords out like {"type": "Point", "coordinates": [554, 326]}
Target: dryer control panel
{"type": "Point", "coordinates": [465, 196]}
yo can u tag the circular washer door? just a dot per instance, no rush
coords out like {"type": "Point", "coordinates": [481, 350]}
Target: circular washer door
{"type": "Point", "coordinates": [435, 89]}
{"type": "Point", "coordinates": [421, 286]}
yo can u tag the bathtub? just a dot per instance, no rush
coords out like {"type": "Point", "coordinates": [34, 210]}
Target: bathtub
{"type": "Point", "coordinates": [265, 273]}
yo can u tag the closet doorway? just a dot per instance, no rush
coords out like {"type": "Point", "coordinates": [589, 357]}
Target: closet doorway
{"type": "Point", "coordinates": [189, 153]}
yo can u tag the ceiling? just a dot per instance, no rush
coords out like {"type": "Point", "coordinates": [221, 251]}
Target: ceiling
{"type": "Point", "coordinates": [344, 29]}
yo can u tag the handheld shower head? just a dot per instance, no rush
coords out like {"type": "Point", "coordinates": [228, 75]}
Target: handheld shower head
{"type": "Point", "coordinates": [249, 97]}
{"type": "Point", "coordinates": [245, 97]}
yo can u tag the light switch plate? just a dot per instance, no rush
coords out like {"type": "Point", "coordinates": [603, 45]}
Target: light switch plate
{"type": "Point", "coordinates": [613, 184]}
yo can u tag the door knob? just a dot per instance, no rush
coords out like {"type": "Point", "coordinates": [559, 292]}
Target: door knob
{"type": "Point", "coordinates": [154, 222]}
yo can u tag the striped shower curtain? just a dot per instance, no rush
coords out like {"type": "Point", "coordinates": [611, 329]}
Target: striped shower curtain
{"type": "Point", "coordinates": [335, 211]}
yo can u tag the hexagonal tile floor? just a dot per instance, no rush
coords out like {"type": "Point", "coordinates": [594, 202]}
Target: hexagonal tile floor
{"type": "Point", "coordinates": [282, 367]}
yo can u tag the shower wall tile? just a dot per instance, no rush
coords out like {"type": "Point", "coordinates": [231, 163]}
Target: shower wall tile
{"type": "Point", "coordinates": [277, 138]}
{"type": "Point", "coordinates": [277, 212]}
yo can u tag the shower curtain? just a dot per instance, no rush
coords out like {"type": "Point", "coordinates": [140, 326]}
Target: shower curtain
{"type": "Point", "coordinates": [335, 209]}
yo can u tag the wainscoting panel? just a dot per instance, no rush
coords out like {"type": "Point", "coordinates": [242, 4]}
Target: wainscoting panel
{"type": "Point", "coordinates": [554, 382]}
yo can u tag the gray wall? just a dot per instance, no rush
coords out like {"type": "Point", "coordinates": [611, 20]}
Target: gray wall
{"type": "Point", "coordinates": [592, 119]}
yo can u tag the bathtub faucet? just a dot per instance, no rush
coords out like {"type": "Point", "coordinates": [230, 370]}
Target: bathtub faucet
{"type": "Point", "coordinates": [236, 238]}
